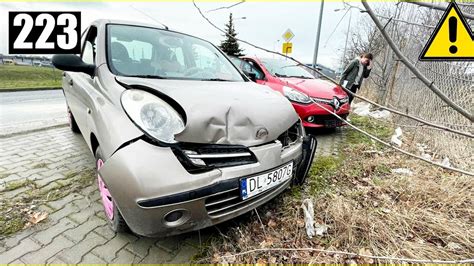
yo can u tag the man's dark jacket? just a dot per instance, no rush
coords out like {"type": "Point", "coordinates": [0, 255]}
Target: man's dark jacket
{"type": "Point", "coordinates": [351, 71]}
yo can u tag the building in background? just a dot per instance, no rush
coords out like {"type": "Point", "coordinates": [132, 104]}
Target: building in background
{"type": "Point", "coordinates": [19, 60]}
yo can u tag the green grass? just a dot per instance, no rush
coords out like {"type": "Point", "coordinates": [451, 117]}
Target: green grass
{"type": "Point", "coordinates": [11, 225]}
{"type": "Point", "coordinates": [12, 77]}
{"type": "Point", "coordinates": [322, 169]}
{"type": "Point", "coordinates": [12, 185]}
{"type": "Point", "coordinates": [378, 128]}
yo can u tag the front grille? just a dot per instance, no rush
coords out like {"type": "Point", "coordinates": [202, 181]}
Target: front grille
{"type": "Point", "coordinates": [198, 158]}
{"type": "Point", "coordinates": [335, 102]}
{"type": "Point", "coordinates": [229, 201]}
{"type": "Point", "coordinates": [329, 120]}
{"type": "Point", "coordinates": [212, 156]}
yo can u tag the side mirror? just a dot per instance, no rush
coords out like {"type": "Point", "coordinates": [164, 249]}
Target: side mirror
{"type": "Point", "coordinates": [252, 76]}
{"type": "Point", "coordinates": [70, 62]}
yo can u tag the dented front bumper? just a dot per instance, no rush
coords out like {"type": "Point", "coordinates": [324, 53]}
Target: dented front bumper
{"type": "Point", "coordinates": [149, 183]}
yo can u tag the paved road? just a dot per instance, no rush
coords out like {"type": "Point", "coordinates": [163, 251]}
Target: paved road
{"type": "Point", "coordinates": [26, 110]}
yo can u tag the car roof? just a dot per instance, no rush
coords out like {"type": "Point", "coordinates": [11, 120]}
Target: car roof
{"type": "Point", "coordinates": [101, 22]}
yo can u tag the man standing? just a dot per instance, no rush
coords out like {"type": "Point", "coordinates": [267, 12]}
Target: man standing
{"type": "Point", "coordinates": [355, 72]}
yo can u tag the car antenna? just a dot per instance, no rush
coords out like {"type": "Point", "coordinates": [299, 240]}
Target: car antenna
{"type": "Point", "coordinates": [150, 17]}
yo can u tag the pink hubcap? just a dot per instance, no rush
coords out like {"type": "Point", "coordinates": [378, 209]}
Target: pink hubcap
{"type": "Point", "coordinates": [105, 194]}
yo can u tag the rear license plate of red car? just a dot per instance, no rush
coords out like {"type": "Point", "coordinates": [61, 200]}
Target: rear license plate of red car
{"type": "Point", "coordinates": [331, 123]}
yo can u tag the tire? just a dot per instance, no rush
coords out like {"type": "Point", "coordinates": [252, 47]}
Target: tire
{"type": "Point", "coordinates": [72, 122]}
{"type": "Point", "coordinates": [112, 213]}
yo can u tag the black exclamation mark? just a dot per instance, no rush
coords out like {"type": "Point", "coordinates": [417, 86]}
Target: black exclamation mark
{"type": "Point", "coordinates": [453, 30]}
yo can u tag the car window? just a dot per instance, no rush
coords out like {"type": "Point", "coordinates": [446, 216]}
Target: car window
{"type": "Point", "coordinates": [252, 67]}
{"type": "Point", "coordinates": [285, 68]}
{"type": "Point", "coordinates": [236, 61]}
{"type": "Point", "coordinates": [139, 51]}
{"type": "Point", "coordinates": [89, 50]}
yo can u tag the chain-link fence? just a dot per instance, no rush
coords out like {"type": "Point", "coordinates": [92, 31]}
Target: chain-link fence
{"type": "Point", "coordinates": [394, 85]}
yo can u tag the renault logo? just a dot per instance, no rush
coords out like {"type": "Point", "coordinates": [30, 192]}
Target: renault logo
{"type": "Point", "coordinates": [262, 133]}
{"type": "Point", "coordinates": [336, 103]}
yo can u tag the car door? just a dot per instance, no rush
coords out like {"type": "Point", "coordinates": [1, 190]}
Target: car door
{"type": "Point", "coordinates": [80, 86]}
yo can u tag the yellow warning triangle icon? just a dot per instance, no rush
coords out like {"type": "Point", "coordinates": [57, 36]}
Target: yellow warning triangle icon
{"type": "Point", "coordinates": [452, 39]}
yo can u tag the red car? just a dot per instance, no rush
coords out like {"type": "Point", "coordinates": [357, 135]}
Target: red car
{"type": "Point", "coordinates": [298, 85]}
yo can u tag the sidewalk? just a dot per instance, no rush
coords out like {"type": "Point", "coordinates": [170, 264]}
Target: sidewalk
{"type": "Point", "coordinates": [76, 230]}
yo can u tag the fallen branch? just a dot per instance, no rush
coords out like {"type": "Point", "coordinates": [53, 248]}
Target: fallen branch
{"type": "Point", "coordinates": [466, 134]}
{"type": "Point", "coordinates": [385, 17]}
{"type": "Point", "coordinates": [334, 114]}
{"type": "Point", "coordinates": [391, 146]}
{"type": "Point", "coordinates": [336, 252]}
{"type": "Point", "coordinates": [407, 22]}
{"type": "Point", "coordinates": [439, 7]}
{"type": "Point", "coordinates": [430, 84]}
{"type": "Point", "coordinates": [334, 81]}
{"type": "Point", "coordinates": [261, 223]}
{"type": "Point", "coordinates": [226, 7]}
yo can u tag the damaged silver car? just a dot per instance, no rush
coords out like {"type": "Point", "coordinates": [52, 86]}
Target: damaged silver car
{"type": "Point", "coordinates": [182, 139]}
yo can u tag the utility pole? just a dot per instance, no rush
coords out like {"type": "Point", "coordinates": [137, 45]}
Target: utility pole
{"type": "Point", "coordinates": [316, 46]}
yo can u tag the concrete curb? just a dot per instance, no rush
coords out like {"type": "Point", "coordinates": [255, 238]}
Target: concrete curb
{"type": "Point", "coordinates": [30, 89]}
{"type": "Point", "coordinates": [2, 136]}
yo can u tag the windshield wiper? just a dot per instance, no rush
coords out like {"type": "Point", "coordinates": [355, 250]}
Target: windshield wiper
{"type": "Point", "coordinates": [281, 75]}
{"type": "Point", "coordinates": [147, 76]}
{"type": "Point", "coordinates": [215, 79]}
{"type": "Point", "coordinates": [291, 66]}
{"type": "Point", "coordinates": [301, 77]}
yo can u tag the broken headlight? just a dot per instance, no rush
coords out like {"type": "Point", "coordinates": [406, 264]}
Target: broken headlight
{"type": "Point", "coordinates": [152, 115]}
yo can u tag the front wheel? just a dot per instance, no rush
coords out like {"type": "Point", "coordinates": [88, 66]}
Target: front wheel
{"type": "Point", "coordinates": [112, 213]}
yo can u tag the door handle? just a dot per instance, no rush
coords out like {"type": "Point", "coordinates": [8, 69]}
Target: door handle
{"type": "Point", "coordinates": [71, 82]}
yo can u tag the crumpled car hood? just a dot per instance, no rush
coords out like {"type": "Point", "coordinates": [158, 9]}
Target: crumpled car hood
{"type": "Point", "coordinates": [225, 112]}
{"type": "Point", "coordinates": [317, 87]}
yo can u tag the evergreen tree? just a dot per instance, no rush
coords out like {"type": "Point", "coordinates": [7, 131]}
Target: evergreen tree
{"type": "Point", "coordinates": [229, 45]}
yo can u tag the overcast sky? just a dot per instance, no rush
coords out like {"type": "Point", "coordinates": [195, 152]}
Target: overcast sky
{"type": "Point", "coordinates": [264, 24]}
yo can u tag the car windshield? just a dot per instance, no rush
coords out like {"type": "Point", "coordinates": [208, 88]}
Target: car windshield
{"type": "Point", "coordinates": [155, 53]}
{"type": "Point", "coordinates": [286, 68]}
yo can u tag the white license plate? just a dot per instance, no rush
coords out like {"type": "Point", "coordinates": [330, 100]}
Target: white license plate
{"type": "Point", "coordinates": [255, 185]}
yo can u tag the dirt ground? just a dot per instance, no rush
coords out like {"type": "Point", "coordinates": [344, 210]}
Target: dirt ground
{"type": "Point", "coordinates": [360, 206]}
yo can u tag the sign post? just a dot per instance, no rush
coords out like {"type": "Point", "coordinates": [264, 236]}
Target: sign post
{"type": "Point", "coordinates": [287, 48]}
{"type": "Point", "coordinates": [287, 45]}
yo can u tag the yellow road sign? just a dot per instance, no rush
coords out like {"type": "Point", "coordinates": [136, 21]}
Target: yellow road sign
{"type": "Point", "coordinates": [287, 48]}
{"type": "Point", "coordinates": [288, 35]}
{"type": "Point", "coordinates": [451, 40]}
